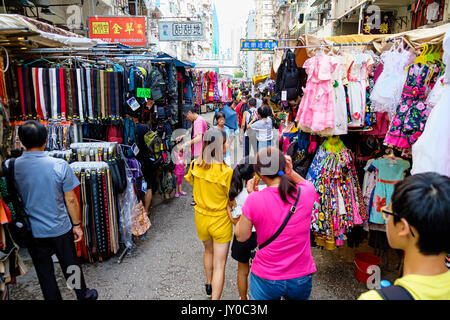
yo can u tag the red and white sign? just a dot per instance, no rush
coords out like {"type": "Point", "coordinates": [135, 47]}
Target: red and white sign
{"type": "Point", "coordinates": [130, 31]}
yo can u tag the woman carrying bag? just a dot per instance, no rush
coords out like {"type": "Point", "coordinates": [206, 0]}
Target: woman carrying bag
{"type": "Point", "coordinates": [281, 214]}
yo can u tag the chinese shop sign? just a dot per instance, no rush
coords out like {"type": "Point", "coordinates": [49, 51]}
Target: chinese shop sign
{"type": "Point", "coordinates": [377, 23]}
{"type": "Point", "coordinates": [258, 45]}
{"type": "Point", "coordinates": [178, 31]}
{"type": "Point", "coordinates": [130, 31]}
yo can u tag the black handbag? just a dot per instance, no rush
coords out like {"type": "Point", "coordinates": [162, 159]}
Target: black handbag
{"type": "Point", "coordinates": [286, 220]}
{"type": "Point", "coordinates": [20, 227]}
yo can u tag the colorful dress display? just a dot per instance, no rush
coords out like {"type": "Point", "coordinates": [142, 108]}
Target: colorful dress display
{"type": "Point", "coordinates": [340, 197]}
{"type": "Point", "coordinates": [412, 113]}
{"type": "Point", "coordinates": [316, 110]}
{"type": "Point", "coordinates": [390, 171]}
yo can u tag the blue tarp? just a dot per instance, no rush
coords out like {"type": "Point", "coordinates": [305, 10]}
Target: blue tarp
{"type": "Point", "coordinates": [178, 63]}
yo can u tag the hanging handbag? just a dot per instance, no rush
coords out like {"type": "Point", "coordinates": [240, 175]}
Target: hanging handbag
{"type": "Point", "coordinates": [286, 220]}
{"type": "Point", "coordinates": [140, 221]}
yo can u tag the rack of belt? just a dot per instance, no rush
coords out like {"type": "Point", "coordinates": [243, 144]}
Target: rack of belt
{"type": "Point", "coordinates": [107, 152]}
{"type": "Point", "coordinates": [99, 211]}
{"type": "Point", "coordinates": [65, 154]}
{"type": "Point", "coordinates": [79, 94]}
{"type": "Point", "coordinates": [59, 135]}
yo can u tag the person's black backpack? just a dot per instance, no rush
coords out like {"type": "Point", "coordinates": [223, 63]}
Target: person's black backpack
{"type": "Point", "coordinates": [20, 227]}
{"type": "Point", "coordinates": [395, 293]}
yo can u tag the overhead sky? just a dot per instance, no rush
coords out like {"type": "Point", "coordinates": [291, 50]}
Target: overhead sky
{"type": "Point", "coordinates": [232, 14]}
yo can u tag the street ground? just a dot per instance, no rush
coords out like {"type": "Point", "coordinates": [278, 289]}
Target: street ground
{"type": "Point", "coordinates": [168, 265]}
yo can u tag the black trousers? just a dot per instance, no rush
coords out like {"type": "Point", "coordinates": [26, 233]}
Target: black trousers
{"type": "Point", "coordinates": [41, 251]}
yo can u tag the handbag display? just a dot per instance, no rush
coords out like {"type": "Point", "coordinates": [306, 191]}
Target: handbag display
{"type": "Point", "coordinates": [140, 221]}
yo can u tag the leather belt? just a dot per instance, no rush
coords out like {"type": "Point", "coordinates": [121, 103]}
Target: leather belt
{"type": "Point", "coordinates": [21, 90]}
{"type": "Point", "coordinates": [68, 89]}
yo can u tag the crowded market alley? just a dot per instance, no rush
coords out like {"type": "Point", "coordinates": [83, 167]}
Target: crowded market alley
{"type": "Point", "coordinates": [224, 150]}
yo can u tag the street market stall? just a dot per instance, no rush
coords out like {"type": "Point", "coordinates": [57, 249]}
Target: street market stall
{"type": "Point", "coordinates": [359, 113]}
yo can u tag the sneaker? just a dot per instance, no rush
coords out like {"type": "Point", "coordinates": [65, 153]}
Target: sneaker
{"type": "Point", "coordinates": [183, 193]}
{"type": "Point", "coordinates": [177, 195]}
{"type": "Point", "coordinates": [208, 289]}
{"type": "Point", "coordinates": [193, 203]}
{"type": "Point", "coordinates": [91, 294]}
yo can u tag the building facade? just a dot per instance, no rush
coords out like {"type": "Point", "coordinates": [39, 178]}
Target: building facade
{"type": "Point", "coordinates": [325, 18]}
{"type": "Point", "coordinates": [266, 28]}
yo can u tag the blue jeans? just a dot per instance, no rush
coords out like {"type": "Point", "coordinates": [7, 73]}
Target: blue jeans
{"type": "Point", "coordinates": [292, 289]}
{"type": "Point", "coordinates": [264, 144]}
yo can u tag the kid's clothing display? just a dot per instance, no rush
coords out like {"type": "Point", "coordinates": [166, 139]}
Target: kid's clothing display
{"type": "Point", "coordinates": [390, 172]}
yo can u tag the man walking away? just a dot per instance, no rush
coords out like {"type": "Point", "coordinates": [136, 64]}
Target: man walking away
{"type": "Point", "coordinates": [46, 186]}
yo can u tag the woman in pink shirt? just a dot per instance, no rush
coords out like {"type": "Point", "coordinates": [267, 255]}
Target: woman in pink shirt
{"type": "Point", "coordinates": [284, 268]}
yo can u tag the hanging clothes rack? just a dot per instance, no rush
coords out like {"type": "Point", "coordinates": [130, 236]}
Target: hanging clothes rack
{"type": "Point", "coordinates": [354, 44]}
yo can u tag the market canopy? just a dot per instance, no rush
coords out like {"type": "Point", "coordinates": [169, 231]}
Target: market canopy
{"type": "Point", "coordinates": [178, 63]}
{"type": "Point", "coordinates": [20, 31]}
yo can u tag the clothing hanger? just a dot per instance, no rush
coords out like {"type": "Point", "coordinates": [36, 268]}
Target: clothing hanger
{"type": "Point", "coordinates": [422, 58]}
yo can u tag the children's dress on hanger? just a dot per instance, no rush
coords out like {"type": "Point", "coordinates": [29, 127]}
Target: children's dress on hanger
{"type": "Point", "coordinates": [411, 115]}
{"type": "Point", "coordinates": [387, 92]}
{"type": "Point", "coordinates": [340, 105]}
{"type": "Point", "coordinates": [390, 171]}
{"type": "Point", "coordinates": [316, 110]}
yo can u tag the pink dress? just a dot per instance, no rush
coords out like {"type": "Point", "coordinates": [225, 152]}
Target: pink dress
{"type": "Point", "coordinates": [179, 168]}
{"type": "Point", "coordinates": [316, 110]}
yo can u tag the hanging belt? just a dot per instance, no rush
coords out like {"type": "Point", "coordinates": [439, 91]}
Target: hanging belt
{"type": "Point", "coordinates": [96, 210]}
{"type": "Point", "coordinates": [102, 220]}
{"type": "Point", "coordinates": [58, 92]}
{"type": "Point", "coordinates": [47, 92]}
{"type": "Point", "coordinates": [84, 94]}
{"type": "Point", "coordinates": [21, 91]}
{"type": "Point", "coordinates": [62, 83]}
{"type": "Point", "coordinates": [113, 96]}
{"type": "Point", "coordinates": [117, 98]}
{"type": "Point", "coordinates": [121, 94]}
{"type": "Point", "coordinates": [102, 93]}
{"type": "Point", "coordinates": [53, 93]}
{"type": "Point", "coordinates": [89, 93]}
{"type": "Point", "coordinates": [26, 88]}
{"type": "Point", "coordinates": [40, 81]}
{"type": "Point", "coordinates": [74, 89]}
{"type": "Point", "coordinates": [68, 89]}
{"type": "Point", "coordinates": [80, 95]}
{"type": "Point", "coordinates": [107, 221]}
{"type": "Point", "coordinates": [94, 94]}
{"type": "Point", "coordinates": [99, 94]}
{"type": "Point", "coordinates": [108, 95]}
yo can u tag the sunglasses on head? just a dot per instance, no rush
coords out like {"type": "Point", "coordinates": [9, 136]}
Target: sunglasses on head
{"type": "Point", "coordinates": [386, 213]}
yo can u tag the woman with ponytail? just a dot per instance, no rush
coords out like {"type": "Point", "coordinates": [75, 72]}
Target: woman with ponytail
{"type": "Point", "coordinates": [283, 268]}
{"type": "Point", "coordinates": [211, 179]}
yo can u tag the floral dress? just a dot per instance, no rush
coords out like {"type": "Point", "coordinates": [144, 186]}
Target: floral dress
{"type": "Point", "coordinates": [390, 171]}
{"type": "Point", "coordinates": [411, 116]}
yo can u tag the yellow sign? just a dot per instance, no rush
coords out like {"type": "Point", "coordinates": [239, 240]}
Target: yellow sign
{"type": "Point", "coordinates": [100, 27]}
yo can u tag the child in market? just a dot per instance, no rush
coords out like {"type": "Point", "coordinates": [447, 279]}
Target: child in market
{"type": "Point", "coordinates": [241, 251]}
{"type": "Point", "coordinates": [180, 170]}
